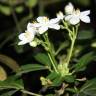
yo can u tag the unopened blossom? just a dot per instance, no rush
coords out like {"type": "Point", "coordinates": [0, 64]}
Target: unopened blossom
{"type": "Point", "coordinates": [76, 16]}
{"type": "Point", "coordinates": [60, 15]}
{"type": "Point", "coordinates": [43, 24]}
{"type": "Point", "coordinates": [69, 8]}
{"type": "Point", "coordinates": [33, 43]}
{"type": "Point", "coordinates": [28, 35]}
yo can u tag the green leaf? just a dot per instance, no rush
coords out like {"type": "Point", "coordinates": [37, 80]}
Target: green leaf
{"type": "Point", "coordinates": [12, 83]}
{"type": "Point", "coordinates": [30, 67]}
{"type": "Point", "coordinates": [31, 3]}
{"type": "Point", "coordinates": [55, 78]}
{"type": "Point", "coordinates": [72, 90]}
{"type": "Point", "coordinates": [57, 81]}
{"type": "Point", "coordinates": [5, 9]}
{"type": "Point", "coordinates": [19, 9]}
{"type": "Point", "coordinates": [89, 88]}
{"type": "Point", "coordinates": [8, 93]}
{"type": "Point", "coordinates": [83, 61]}
{"type": "Point", "coordinates": [85, 34]}
{"type": "Point", "coordinates": [52, 76]}
{"type": "Point", "coordinates": [43, 59]}
{"type": "Point", "coordinates": [3, 74]}
{"type": "Point", "coordinates": [69, 78]}
{"type": "Point", "coordinates": [10, 62]}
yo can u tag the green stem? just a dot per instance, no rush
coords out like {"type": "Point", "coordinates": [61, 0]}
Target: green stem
{"type": "Point", "coordinates": [50, 54]}
{"type": "Point", "coordinates": [41, 7]}
{"type": "Point", "coordinates": [30, 93]}
{"type": "Point", "coordinates": [30, 12]}
{"type": "Point", "coordinates": [71, 50]}
{"type": "Point", "coordinates": [16, 21]}
{"type": "Point", "coordinates": [73, 38]}
{"type": "Point", "coordinates": [15, 17]}
{"type": "Point", "coordinates": [52, 61]}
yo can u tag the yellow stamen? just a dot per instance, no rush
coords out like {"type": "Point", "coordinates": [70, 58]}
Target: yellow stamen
{"type": "Point", "coordinates": [77, 12]}
{"type": "Point", "coordinates": [46, 19]}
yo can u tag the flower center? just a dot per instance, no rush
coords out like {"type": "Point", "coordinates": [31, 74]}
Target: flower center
{"type": "Point", "coordinates": [60, 15]}
{"type": "Point", "coordinates": [45, 19]}
{"type": "Point", "coordinates": [28, 36]}
{"type": "Point", "coordinates": [77, 12]}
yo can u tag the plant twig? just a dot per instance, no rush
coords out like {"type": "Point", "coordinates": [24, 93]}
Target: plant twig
{"type": "Point", "coordinates": [73, 38]}
{"type": "Point", "coordinates": [30, 93]}
{"type": "Point", "coordinates": [15, 18]}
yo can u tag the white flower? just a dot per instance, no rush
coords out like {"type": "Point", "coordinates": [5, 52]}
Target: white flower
{"type": "Point", "coordinates": [31, 28]}
{"type": "Point", "coordinates": [69, 8]}
{"type": "Point", "coordinates": [43, 23]}
{"type": "Point", "coordinates": [28, 36]}
{"type": "Point", "coordinates": [76, 16]}
{"type": "Point", "coordinates": [60, 15]}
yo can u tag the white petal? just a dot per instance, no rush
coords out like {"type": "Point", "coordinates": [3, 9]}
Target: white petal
{"type": "Point", "coordinates": [54, 26]}
{"type": "Point", "coordinates": [29, 25]}
{"type": "Point", "coordinates": [22, 36]}
{"type": "Point", "coordinates": [60, 15]}
{"type": "Point", "coordinates": [74, 20]}
{"type": "Point", "coordinates": [69, 8]}
{"type": "Point", "coordinates": [53, 21]}
{"type": "Point", "coordinates": [22, 42]}
{"type": "Point", "coordinates": [39, 19]}
{"type": "Point", "coordinates": [84, 13]}
{"type": "Point", "coordinates": [42, 19]}
{"type": "Point", "coordinates": [43, 29]}
{"type": "Point", "coordinates": [36, 24]}
{"type": "Point", "coordinates": [68, 17]}
{"type": "Point", "coordinates": [31, 31]}
{"type": "Point", "coordinates": [26, 37]}
{"type": "Point", "coordinates": [85, 19]}
{"type": "Point", "coordinates": [31, 28]}
{"type": "Point", "coordinates": [33, 25]}
{"type": "Point", "coordinates": [29, 36]}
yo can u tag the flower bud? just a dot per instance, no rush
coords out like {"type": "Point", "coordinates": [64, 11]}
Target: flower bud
{"type": "Point", "coordinates": [33, 43]}
{"type": "Point", "coordinates": [69, 8]}
{"type": "Point", "coordinates": [60, 15]}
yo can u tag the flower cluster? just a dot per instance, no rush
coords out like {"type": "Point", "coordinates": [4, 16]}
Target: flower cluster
{"type": "Point", "coordinates": [39, 27]}
{"type": "Point", "coordinates": [42, 24]}
{"type": "Point", "coordinates": [74, 16]}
